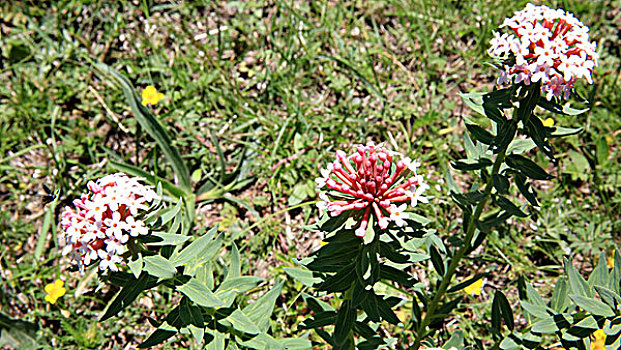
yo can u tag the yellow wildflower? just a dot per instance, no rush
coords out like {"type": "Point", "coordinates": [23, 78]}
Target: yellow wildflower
{"type": "Point", "coordinates": [610, 261]}
{"type": "Point", "coordinates": [549, 122]}
{"type": "Point", "coordinates": [54, 291]}
{"type": "Point", "coordinates": [599, 343]}
{"type": "Point", "coordinates": [475, 288]}
{"type": "Point", "coordinates": [151, 96]}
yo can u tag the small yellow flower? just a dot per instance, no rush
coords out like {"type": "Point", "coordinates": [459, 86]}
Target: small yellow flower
{"type": "Point", "coordinates": [151, 96]}
{"type": "Point", "coordinates": [610, 261]}
{"type": "Point", "coordinates": [549, 122]}
{"type": "Point", "coordinates": [599, 343]}
{"type": "Point", "coordinates": [54, 291]}
{"type": "Point", "coordinates": [475, 289]}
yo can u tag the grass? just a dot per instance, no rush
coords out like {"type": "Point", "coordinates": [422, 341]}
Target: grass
{"type": "Point", "coordinates": [275, 87]}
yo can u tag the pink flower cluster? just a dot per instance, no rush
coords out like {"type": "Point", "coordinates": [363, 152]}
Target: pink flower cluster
{"type": "Point", "coordinates": [548, 46]}
{"type": "Point", "coordinates": [371, 182]}
{"type": "Point", "coordinates": [104, 219]}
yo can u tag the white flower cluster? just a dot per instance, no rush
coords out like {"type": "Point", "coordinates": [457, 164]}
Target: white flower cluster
{"type": "Point", "coordinates": [547, 46]}
{"type": "Point", "coordinates": [104, 219]}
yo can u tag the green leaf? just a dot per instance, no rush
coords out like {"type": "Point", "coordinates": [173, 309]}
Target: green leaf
{"type": "Point", "coordinates": [198, 333]}
{"type": "Point", "coordinates": [501, 183]}
{"type": "Point", "coordinates": [152, 126]}
{"type": "Point", "coordinates": [48, 222]}
{"type": "Point", "coordinates": [260, 342]}
{"type": "Point", "coordinates": [511, 342]}
{"type": "Point", "coordinates": [243, 323]}
{"type": "Point", "coordinates": [577, 283]}
{"type": "Point", "coordinates": [480, 134]}
{"type": "Point", "coordinates": [539, 135]}
{"type": "Point", "coordinates": [200, 251]}
{"type": "Point", "coordinates": [467, 165]}
{"type": "Point", "coordinates": [455, 341]}
{"type": "Point", "coordinates": [17, 334]}
{"type": "Point", "coordinates": [436, 260]}
{"type": "Point", "coordinates": [524, 186]}
{"type": "Point", "coordinates": [509, 207]}
{"type": "Point", "coordinates": [169, 239]}
{"type": "Point", "coordinates": [200, 294]}
{"type": "Point", "coordinates": [261, 309]}
{"type": "Point", "coordinates": [295, 344]}
{"type": "Point", "coordinates": [345, 318]}
{"type": "Point", "coordinates": [474, 100]}
{"type": "Point", "coordinates": [559, 131]}
{"type": "Point", "coordinates": [496, 314]}
{"type": "Point", "coordinates": [234, 269]}
{"type": "Point", "coordinates": [239, 284]}
{"type": "Point", "coordinates": [167, 215]}
{"type": "Point", "coordinates": [528, 103]}
{"type": "Point", "coordinates": [190, 314]}
{"type": "Point", "coordinates": [593, 306]}
{"type": "Point", "coordinates": [545, 326]}
{"type": "Point", "coordinates": [217, 340]}
{"type": "Point", "coordinates": [559, 300]}
{"type": "Point", "coordinates": [158, 266]}
{"type": "Point", "coordinates": [520, 146]}
{"type": "Point", "coordinates": [538, 311]}
{"type": "Point", "coordinates": [527, 167]}
{"type": "Point", "coordinates": [340, 281]}
{"type": "Point", "coordinates": [127, 295]}
{"type": "Point", "coordinates": [505, 308]}
{"type": "Point", "coordinates": [506, 133]}
{"type": "Point", "coordinates": [386, 312]}
{"type": "Point", "coordinates": [156, 338]}
{"type": "Point", "coordinates": [319, 319]}
{"type": "Point", "coordinates": [135, 266]}
{"type": "Point", "coordinates": [302, 275]}
{"type": "Point", "coordinates": [609, 297]}
{"type": "Point", "coordinates": [370, 306]}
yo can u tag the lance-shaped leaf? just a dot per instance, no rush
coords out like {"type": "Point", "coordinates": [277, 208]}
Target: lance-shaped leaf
{"type": "Point", "coordinates": [480, 134]}
{"type": "Point", "coordinates": [158, 266]}
{"type": "Point", "coordinates": [509, 207]}
{"type": "Point", "coordinates": [527, 167]}
{"type": "Point", "coordinates": [593, 306]}
{"type": "Point", "coordinates": [241, 322]}
{"type": "Point", "coordinates": [302, 275]}
{"type": "Point", "coordinates": [200, 294]}
{"type": "Point", "coordinates": [345, 318]}
{"type": "Point", "coordinates": [128, 294]}
{"type": "Point", "coordinates": [152, 126]}
{"type": "Point", "coordinates": [466, 165]}
{"type": "Point", "coordinates": [260, 310]}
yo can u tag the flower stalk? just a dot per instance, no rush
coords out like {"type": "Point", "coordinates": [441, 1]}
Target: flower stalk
{"type": "Point", "coordinates": [448, 276]}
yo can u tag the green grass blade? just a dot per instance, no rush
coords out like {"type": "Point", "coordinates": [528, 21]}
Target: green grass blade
{"type": "Point", "coordinates": [151, 125]}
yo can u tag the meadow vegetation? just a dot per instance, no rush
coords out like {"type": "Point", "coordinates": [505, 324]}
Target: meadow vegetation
{"type": "Point", "coordinates": [257, 98]}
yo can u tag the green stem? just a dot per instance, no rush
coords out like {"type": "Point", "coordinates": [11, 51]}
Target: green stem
{"type": "Point", "coordinates": [446, 279]}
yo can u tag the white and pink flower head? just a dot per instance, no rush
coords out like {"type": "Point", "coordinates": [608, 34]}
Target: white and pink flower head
{"type": "Point", "coordinates": [103, 220]}
{"type": "Point", "coordinates": [371, 182]}
{"type": "Point", "coordinates": [547, 46]}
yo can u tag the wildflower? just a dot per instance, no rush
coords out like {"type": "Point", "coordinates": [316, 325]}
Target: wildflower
{"type": "Point", "coordinates": [54, 291]}
{"type": "Point", "coordinates": [151, 96]}
{"type": "Point", "coordinates": [475, 288]}
{"type": "Point", "coordinates": [610, 261]}
{"type": "Point", "coordinates": [547, 46]}
{"type": "Point", "coordinates": [599, 343]}
{"type": "Point", "coordinates": [548, 122]}
{"type": "Point", "coordinates": [370, 183]}
{"type": "Point", "coordinates": [103, 220]}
